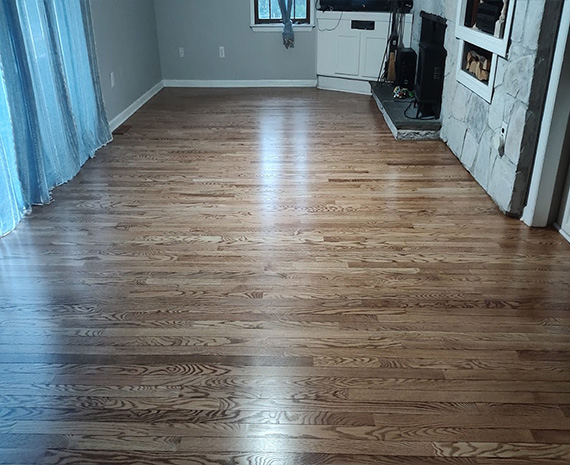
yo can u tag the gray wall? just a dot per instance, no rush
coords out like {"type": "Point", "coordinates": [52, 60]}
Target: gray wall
{"type": "Point", "coordinates": [126, 40]}
{"type": "Point", "coordinates": [470, 124]}
{"type": "Point", "coordinates": [202, 26]}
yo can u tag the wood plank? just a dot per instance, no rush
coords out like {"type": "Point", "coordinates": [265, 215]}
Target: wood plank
{"type": "Point", "coordinates": [55, 456]}
{"type": "Point", "coordinates": [270, 431]}
{"type": "Point", "coordinates": [504, 450]}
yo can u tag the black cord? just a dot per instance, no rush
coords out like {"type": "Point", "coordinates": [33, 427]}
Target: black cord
{"type": "Point", "coordinates": [417, 118]}
{"type": "Point", "coordinates": [317, 21]}
{"type": "Point", "coordinates": [336, 26]}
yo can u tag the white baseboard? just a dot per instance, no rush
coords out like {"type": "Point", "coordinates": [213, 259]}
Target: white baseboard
{"type": "Point", "coordinates": [135, 106]}
{"type": "Point", "coordinates": [353, 86]}
{"type": "Point", "coordinates": [239, 83]}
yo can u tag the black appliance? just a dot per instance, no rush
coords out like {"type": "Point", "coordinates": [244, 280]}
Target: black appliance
{"type": "Point", "coordinates": [335, 5]}
{"type": "Point", "coordinates": [431, 65]}
{"type": "Point", "coordinates": [406, 59]}
{"type": "Point", "coordinates": [382, 5]}
{"type": "Point", "coordinates": [403, 6]}
{"type": "Point", "coordinates": [431, 71]}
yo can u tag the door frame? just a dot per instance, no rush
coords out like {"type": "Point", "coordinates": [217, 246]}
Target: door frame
{"type": "Point", "coordinates": [543, 199]}
{"type": "Point", "coordinates": [564, 211]}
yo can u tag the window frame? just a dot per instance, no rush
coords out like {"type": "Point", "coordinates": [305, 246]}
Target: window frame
{"type": "Point", "coordinates": [497, 45]}
{"type": "Point", "coordinates": [270, 25]}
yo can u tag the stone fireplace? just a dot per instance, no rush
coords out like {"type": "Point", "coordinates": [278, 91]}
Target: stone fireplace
{"type": "Point", "coordinates": [494, 88]}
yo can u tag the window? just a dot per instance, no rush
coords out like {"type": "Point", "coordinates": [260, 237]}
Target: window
{"type": "Point", "coordinates": [268, 12]}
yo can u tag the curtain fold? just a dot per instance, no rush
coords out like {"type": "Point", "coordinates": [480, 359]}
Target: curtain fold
{"type": "Point", "coordinates": [86, 101]}
{"type": "Point", "coordinates": [56, 117]}
{"type": "Point", "coordinates": [12, 204]}
{"type": "Point", "coordinates": [286, 7]}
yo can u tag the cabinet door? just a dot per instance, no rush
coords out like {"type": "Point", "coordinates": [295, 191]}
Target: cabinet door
{"type": "Point", "coordinates": [372, 53]}
{"type": "Point", "coordinates": [373, 48]}
{"type": "Point", "coordinates": [348, 57]}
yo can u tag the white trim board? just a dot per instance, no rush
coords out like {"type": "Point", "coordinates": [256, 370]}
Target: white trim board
{"type": "Point", "coordinates": [135, 106]}
{"type": "Point", "coordinates": [279, 28]}
{"type": "Point", "coordinates": [239, 83]}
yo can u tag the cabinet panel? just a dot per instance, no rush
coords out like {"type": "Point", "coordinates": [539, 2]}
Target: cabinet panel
{"type": "Point", "coordinates": [373, 52]}
{"type": "Point", "coordinates": [348, 55]}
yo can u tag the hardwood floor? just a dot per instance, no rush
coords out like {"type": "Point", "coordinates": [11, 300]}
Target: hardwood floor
{"type": "Point", "coordinates": [266, 277]}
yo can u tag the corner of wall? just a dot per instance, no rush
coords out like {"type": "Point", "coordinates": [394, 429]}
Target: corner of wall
{"type": "Point", "coordinates": [128, 55]}
{"type": "Point", "coordinates": [157, 38]}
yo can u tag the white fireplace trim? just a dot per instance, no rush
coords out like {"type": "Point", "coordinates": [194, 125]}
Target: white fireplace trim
{"type": "Point", "coordinates": [498, 45]}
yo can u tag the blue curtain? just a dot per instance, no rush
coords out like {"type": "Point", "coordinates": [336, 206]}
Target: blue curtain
{"type": "Point", "coordinates": [286, 7]}
{"type": "Point", "coordinates": [51, 109]}
{"type": "Point", "coordinates": [12, 205]}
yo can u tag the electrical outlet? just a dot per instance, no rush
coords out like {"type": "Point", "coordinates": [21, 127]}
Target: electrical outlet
{"type": "Point", "coordinates": [504, 128]}
{"type": "Point", "coordinates": [181, 52]}
{"type": "Point", "coordinates": [501, 138]}
{"type": "Point", "coordinates": [222, 52]}
{"type": "Point", "coordinates": [112, 77]}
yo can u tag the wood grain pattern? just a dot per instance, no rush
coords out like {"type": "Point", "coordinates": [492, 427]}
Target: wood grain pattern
{"type": "Point", "coordinates": [266, 277]}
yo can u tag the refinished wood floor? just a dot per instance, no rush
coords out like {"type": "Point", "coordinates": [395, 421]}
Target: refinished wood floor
{"type": "Point", "coordinates": [265, 277]}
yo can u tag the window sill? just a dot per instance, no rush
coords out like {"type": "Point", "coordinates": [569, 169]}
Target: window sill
{"type": "Point", "coordinates": [279, 27]}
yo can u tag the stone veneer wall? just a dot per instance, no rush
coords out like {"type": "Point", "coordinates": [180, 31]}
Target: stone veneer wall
{"type": "Point", "coordinates": [470, 125]}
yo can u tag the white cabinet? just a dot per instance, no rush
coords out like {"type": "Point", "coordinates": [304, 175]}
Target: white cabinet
{"type": "Point", "coordinates": [347, 56]}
